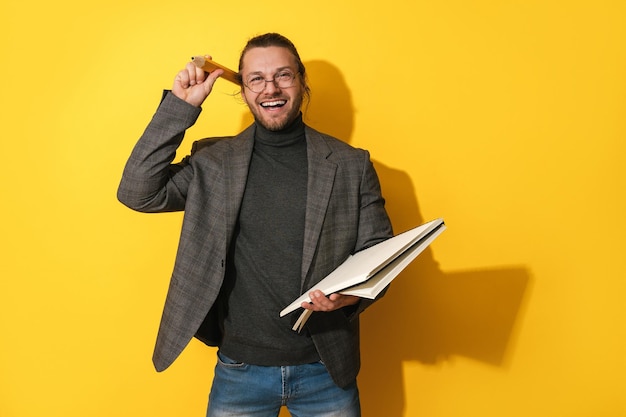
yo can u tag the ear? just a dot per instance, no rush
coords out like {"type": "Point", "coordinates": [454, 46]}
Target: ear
{"type": "Point", "coordinates": [243, 95]}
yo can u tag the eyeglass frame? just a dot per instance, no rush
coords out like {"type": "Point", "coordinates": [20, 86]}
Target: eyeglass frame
{"type": "Point", "coordinates": [273, 80]}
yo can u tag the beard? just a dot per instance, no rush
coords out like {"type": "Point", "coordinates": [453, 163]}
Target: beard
{"type": "Point", "coordinates": [274, 125]}
{"type": "Point", "coordinates": [278, 122]}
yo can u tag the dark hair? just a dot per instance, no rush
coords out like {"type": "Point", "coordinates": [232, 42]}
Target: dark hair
{"type": "Point", "coordinates": [275, 39]}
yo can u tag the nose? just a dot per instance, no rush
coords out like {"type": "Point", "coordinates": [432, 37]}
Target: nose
{"type": "Point", "coordinates": [270, 86]}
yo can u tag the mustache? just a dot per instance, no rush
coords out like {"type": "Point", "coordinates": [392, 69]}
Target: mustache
{"type": "Point", "coordinates": [277, 96]}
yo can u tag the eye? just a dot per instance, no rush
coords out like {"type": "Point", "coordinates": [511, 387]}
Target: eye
{"type": "Point", "coordinates": [284, 76]}
{"type": "Point", "coordinates": [255, 79]}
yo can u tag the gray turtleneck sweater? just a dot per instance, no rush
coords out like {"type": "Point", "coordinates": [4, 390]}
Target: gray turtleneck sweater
{"type": "Point", "coordinates": [265, 261]}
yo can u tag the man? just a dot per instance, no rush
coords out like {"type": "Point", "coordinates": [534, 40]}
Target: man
{"type": "Point", "coordinates": [268, 213]}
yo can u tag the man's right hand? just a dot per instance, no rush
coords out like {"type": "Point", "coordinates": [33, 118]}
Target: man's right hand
{"type": "Point", "coordinates": [194, 85]}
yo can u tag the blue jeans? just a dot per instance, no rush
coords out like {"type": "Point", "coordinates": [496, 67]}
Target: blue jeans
{"type": "Point", "coordinates": [240, 389]}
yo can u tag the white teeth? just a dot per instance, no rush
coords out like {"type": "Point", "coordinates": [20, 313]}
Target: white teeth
{"type": "Point", "coordinates": [273, 103]}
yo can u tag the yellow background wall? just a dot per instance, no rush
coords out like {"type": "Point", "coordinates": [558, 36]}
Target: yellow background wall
{"type": "Point", "coordinates": [506, 118]}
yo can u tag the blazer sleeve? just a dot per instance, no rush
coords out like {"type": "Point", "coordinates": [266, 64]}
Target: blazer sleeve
{"type": "Point", "coordinates": [150, 181]}
{"type": "Point", "coordinates": [374, 225]}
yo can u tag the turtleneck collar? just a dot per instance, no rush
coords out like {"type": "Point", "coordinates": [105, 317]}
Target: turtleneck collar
{"type": "Point", "coordinates": [291, 134]}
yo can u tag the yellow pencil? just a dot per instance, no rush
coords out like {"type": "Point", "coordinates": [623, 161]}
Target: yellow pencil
{"type": "Point", "coordinates": [208, 65]}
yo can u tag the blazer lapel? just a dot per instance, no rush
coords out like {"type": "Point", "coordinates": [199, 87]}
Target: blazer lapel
{"type": "Point", "coordinates": [321, 174]}
{"type": "Point", "coordinates": [235, 168]}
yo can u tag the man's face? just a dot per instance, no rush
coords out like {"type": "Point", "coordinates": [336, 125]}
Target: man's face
{"type": "Point", "coordinates": [274, 107]}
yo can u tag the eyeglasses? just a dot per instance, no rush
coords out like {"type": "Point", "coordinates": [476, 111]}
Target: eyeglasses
{"type": "Point", "coordinates": [282, 79]}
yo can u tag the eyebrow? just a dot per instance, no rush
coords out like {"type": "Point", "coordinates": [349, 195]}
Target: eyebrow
{"type": "Point", "coordinates": [277, 70]}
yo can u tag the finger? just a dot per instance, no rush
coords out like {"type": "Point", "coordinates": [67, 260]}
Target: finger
{"type": "Point", "coordinates": [344, 300]}
{"type": "Point", "coordinates": [335, 297]}
{"type": "Point", "coordinates": [213, 76]}
{"type": "Point", "coordinates": [195, 74]}
{"type": "Point", "coordinates": [320, 300]}
{"type": "Point", "coordinates": [182, 78]}
{"type": "Point", "coordinates": [308, 306]}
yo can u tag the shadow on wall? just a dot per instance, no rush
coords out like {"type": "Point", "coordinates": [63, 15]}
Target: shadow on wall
{"type": "Point", "coordinates": [428, 315]}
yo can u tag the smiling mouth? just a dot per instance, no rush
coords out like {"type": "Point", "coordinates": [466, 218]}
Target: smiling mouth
{"type": "Point", "coordinates": [273, 104]}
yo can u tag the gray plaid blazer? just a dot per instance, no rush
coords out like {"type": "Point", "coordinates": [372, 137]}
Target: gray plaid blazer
{"type": "Point", "coordinates": [344, 214]}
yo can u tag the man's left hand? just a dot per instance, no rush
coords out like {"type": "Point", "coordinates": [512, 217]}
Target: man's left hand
{"type": "Point", "coordinates": [319, 302]}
